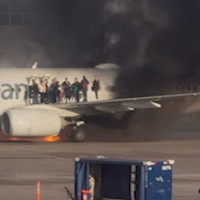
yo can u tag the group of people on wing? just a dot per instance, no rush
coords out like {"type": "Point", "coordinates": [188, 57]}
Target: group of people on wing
{"type": "Point", "coordinates": [55, 93]}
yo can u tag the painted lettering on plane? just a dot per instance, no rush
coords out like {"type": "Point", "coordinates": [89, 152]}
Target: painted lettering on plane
{"type": "Point", "coordinates": [15, 91]}
{"type": "Point", "coordinates": [9, 91]}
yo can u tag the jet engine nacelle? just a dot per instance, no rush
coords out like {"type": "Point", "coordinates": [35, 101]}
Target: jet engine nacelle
{"type": "Point", "coordinates": [28, 122]}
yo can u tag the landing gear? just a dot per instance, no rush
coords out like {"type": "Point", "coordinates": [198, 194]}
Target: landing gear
{"type": "Point", "coordinates": [79, 134]}
{"type": "Point", "coordinates": [76, 133]}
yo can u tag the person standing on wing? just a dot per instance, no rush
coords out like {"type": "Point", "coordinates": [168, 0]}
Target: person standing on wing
{"type": "Point", "coordinates": [84, 88]}
{"type": "Point", "coordinates": [96, 86]}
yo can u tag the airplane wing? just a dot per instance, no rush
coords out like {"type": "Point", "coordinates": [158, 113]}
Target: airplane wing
{"type": "Point", "coordinates": [124, 104]}
{"type": "Point", "coordinates": [43, 120]}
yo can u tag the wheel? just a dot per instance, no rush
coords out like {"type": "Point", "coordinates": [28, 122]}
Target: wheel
{"type": "Point", "coordinates": [78, 134]}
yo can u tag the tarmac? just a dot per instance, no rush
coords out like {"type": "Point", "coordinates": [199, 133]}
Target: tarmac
{"type": "Point", "coordinates": [25, 163]}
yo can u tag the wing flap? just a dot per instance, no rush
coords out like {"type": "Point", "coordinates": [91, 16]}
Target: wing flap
{"type": "Point", "coordinates": [113, 108]}
{"type": "Point", "coordinates": [126, 104]}
{"type": "Point", "coordinates": [141, 104]}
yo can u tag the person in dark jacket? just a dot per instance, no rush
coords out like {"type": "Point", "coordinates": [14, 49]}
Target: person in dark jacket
{"type": "Point", "coordinates": [35, 92]}
{"type": "Point", "coordinates": [84, 87]}
{"type": "Point", "coordinates": [54, 91]}
{"type": "Point", "coordinates": [96, 86]}
{"type": "Point", "coordinates": [66, 87]}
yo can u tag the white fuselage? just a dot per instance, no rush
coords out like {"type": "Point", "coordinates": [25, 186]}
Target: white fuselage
{"type": "Point", "coordinates": [14, 82]}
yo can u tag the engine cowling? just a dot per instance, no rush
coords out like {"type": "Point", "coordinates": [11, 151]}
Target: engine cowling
{"type": "Point", "coordinates": [28, 122]}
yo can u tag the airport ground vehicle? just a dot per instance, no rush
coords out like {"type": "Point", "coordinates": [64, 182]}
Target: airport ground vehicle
{"type": "Point", "coordinates": [104, 178]}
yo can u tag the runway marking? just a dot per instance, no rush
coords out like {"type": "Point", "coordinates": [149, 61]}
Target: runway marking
{"type": "Point", "coordinates": [187, 175]}
{"type": "Point", "coordinates": [39, 177]}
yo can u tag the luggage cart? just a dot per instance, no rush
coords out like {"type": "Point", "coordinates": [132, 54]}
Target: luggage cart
{"type": "Point", "coordinates": [103, 178]}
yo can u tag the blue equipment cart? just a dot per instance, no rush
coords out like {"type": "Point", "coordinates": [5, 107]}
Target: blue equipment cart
{"type": "Point", "coordinates": [103, 178]}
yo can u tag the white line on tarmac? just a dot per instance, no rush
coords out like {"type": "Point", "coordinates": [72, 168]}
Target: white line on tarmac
{"type": "Point", "coordinates": [187, 175]}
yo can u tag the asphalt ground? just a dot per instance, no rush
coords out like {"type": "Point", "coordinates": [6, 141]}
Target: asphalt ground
{"type": "Point", "coordinates": [24, 163]}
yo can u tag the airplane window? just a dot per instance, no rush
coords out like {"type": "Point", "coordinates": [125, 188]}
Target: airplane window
{"type": "Point", "coordinates": [16, 12]}
{"type": "Point", "coordinates": [28, 19]}
{"type": "Point", "coordinates": [16, 19]}
{"type": "Point", "coordinates": [4, 6]}
{"type": "Point", "coordinates": [22, 5]}
{"type": "Point", "coordinates": [18, 5]}
{"type": "Point", "coordinates": [4, 19]}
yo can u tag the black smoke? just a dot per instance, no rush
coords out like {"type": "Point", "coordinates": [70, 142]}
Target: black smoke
{"type": "Point", "coordinates": [158, 48]}
{"type": "Point", "coordinates": [61, 33]}
{"type": "Point", "coordinates": [72, 31]}
{"type": "Point", "coordinates": [136, 34]}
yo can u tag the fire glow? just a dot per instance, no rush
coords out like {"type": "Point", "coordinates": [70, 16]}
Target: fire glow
{"type": "Point", "coordinates": [28, 139]}
{"type": "Point", "coordinates": [52, 138]}
{"type": "Point", "coordinates": [15, 139]}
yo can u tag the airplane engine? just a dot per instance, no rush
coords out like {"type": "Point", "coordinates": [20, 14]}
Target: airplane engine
{"type": "Point", "coordinates": [28, 122]}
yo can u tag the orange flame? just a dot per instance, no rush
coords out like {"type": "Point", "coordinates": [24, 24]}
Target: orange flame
{"type": "Point", "coordinates": [52, 138]}
{"type": "Point", "coordinates": [15, 139]}
{"type": "Point", "coordinates": [29, 139]}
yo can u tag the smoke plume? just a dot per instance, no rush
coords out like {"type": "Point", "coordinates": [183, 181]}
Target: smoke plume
{"type": "Point", "coordinates": [158, 45]}
{"type": "Point", "coordinates": [61, 33]}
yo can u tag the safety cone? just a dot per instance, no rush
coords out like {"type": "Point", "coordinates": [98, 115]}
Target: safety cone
{"type": "Point", "coordinates": [85, 194]}
{"type": "Point", "coordinates": [38, 191]}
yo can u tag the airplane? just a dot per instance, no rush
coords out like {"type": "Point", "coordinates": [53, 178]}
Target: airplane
{"type": "Point", "coordinates": [24, 120]}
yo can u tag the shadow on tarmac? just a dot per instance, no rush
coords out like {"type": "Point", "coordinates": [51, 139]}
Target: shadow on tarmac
{"type": "Point", "coordinates": [150, 126]}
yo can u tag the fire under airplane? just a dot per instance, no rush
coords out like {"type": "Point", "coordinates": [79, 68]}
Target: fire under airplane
{"type": "Point", "coordinates": [19, 118]}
